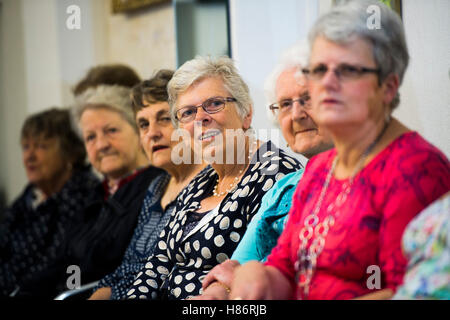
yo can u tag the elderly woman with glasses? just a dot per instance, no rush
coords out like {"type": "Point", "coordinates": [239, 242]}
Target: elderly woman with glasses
{"type": "Point", "coordinates": [343, 236]}
{"type": "Point", "coordinates": [211, 104]}
{"type": "Point", "coordinates": [287, 86]}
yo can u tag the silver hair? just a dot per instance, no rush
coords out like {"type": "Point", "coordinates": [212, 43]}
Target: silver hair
{"type": "Point", "coordinates": [350, 19]}
{"type": "Point", "coordinates": [200, 68]}
{"type": "Point", "coordinates": [294, 57]}
{"type": "Point", "coordinates": [115, 98]}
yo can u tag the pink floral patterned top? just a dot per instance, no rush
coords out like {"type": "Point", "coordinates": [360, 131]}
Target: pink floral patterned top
{"type": "Point", "coordinates": [395, 186]}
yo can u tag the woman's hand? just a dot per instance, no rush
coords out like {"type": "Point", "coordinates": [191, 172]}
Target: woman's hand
{"type": "Point", "coordinates": [101, 294]}
{"type": "Point", "coordinates": [384, 294]}
{"type": "Point", "coordinates": [255, 281]}
{"type": "Point", "coordinates": [223, 273]}
{"type": "Point", "coordinates": [215, 291]}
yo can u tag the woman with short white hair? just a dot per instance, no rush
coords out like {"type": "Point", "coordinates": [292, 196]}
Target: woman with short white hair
{"type": "Point", "coordinates": [289, 108]}
{"type": "Point", "coordinates": [105, 227]}
{"type": "Point", "coordinates": [106, 121]}
{"type": "Point", "coordinates": [210, 101]}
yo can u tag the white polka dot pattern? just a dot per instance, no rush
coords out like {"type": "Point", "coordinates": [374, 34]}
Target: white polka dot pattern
{"type": "Point", "coordinates": [189, 258]}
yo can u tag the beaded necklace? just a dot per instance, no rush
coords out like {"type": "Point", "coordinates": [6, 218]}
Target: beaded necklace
{"type": "Point", "coordinates": [307, 256]}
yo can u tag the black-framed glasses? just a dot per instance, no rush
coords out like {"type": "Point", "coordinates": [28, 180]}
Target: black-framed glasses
{"type": "Point", "coordinates": [285, 105]}
{"type": "Point", "coordinates": [343, 72]}
{"type": "Point", "coordinates": [212, 105]}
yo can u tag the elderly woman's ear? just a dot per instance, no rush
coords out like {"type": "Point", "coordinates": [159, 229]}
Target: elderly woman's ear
{"type": "Point", "coordinates": [248, 119]}
{"type": "Point", "coordinates": [390, 84]}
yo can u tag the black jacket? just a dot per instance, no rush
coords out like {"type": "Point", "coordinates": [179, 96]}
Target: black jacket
{"type": "Point", "coordinates": [32, 239]}
{"type": "Point", "coordinates": [99, 239]}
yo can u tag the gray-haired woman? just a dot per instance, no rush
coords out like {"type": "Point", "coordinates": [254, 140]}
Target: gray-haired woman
{"type": "Point", "coordinates": [106, 120]}
{"type": "Point", "coordinates": [289, 107]}
{"type": "Point", "coordinates": [343, 236]}
{"type": "Point", "coordinates": [105, 226]}
{"type": "Point", "coordinates": [211, 103]}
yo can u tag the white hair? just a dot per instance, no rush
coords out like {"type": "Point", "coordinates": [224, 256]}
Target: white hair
{"type": "Point", "coordinates": [113, 97]}
{"type": "Point", "coordinates": [296, 56]}
{"type": "Point", "coordinates": [201, 68]}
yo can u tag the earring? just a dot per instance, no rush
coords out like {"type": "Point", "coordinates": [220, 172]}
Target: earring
{"type": "Point", "coordinates": [387, 117]}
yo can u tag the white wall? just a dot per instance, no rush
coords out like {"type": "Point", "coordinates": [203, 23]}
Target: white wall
{"type": "Point", "coordinates": [12, 99]}
{"type": "Point", "coordinates": [260, 31]}
{"type": "Point", "coordinates": [425, 93]}
{"type": "Point", "coordinates": [144, 40]}
{"type": "Point", "coordinates": [42, 59]}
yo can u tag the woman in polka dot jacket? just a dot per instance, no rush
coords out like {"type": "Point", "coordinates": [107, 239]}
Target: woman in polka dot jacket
{"type": "Point", "coordinates": [213, 212]}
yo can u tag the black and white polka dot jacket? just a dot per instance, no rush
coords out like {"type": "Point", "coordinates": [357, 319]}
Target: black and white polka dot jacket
{"type": "Point", "coordinates": [179, 264]}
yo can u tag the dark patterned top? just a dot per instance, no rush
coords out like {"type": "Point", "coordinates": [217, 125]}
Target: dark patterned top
{"type": "Point", "coordinates": [180, 263]}
{"type": "Point", "coordinates": [31, 238]}
{"type": "Point", "coordinates": [151, 221]}
{"type": "Point", "coordinates": [364, 244]}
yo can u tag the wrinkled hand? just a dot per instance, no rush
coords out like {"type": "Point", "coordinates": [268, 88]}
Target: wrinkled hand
{"type": "Point", "coordinates": [251, 282]}
{"type": "Point", "coordinates": [214, 292]}
{"type": "Point", "coordinates": [101, 294]}
{"type": "Point", "coordinates": [223, 273]}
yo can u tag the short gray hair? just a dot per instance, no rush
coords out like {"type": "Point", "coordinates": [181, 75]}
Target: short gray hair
{"type": "Point", "coordinates": [390, 51]}
{"type": "Point", "coordinates": [294, 57]}
{"type": "Point", "coordinates": [201, 68]}
{"type": "Point", "coordinates": [115, 98]}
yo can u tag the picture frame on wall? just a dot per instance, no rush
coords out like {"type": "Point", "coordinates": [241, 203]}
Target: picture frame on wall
{"type": "Point", "coordinates": [124, 6]}
{"type": "Point", "coordinates": [395, 5]}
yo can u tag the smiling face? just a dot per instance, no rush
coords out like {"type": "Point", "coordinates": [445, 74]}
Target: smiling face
{"type": "Point", "coordinates": [43, 160]}
{"type": "Point", "coordinates": [155, 130]}
{"type": "Point", "coordinates": [112, 144]}
{"type": "Point", "coordinates": [341, 104]}
{"type": "Point", "coordinates": [206, 128]}
{"type": "Point", "coordinates": [298, 128]}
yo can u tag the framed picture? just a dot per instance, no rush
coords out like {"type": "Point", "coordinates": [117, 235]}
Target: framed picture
{"type": "Point", "coordinates": [120, 6]}
{"type": "Point", "coordinates": [395, 5]}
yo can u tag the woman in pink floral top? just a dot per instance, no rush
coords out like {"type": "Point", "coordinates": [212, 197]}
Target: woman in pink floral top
{"type": "Point", "coordinates": [343, 236]}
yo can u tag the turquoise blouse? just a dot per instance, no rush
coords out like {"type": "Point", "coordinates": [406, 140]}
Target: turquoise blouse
{"type": "Point", "coordinates": [268, 223]}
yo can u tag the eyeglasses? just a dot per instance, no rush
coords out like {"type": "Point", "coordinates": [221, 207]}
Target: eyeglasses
{"type": "Point", "coordinates": [212, 105]}
{"type": "Point", "coordinates": [344, 72]}
{"type": "Point", "coordinates": [285, 106]}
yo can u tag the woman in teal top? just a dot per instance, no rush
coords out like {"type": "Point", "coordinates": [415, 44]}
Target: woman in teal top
{"type": "Point", "coordinates": [286, 90]}
{"type": "Point", "coordinates": [268, 223]}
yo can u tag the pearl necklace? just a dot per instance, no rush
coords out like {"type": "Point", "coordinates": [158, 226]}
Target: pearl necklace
{"type": "Point", "coordinates": [236, 178]}
{"type": "Point", "coordinates": [232, 185]}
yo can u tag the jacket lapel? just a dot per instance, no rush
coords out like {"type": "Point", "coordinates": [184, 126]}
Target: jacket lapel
{"type": "Point", "coordinates": [207, 218]}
